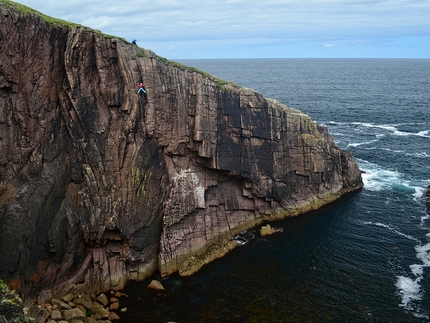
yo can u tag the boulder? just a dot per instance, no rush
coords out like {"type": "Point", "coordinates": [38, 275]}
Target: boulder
{"type": "Point", "coordinates": [85, 301]}
{"type": "Point", "coordinates": [74, 314]}
{"type": "Point", "coordinates": [68, 297]}
{"type": "Point", "coordinates": [101, 313]}
{"type": "Point", "coordinates": [114, 306]}
{"type": "Point", "coordinates": [113, 317]}
{"type": "Point", "coordinates": [155, 284]}
{"type": "Point", "coordinates": [60, 304]}
{"type": "Point", "coordinates": [56, 315]}
{"type": "Point", "coordinates": [102, 299]}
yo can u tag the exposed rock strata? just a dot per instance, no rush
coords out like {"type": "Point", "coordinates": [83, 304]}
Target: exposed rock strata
{"type": "Point", "coordinates": [99, 185]}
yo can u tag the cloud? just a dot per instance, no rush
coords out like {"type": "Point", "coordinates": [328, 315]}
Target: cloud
{"type": "Point", "coordinates": [165, 23]}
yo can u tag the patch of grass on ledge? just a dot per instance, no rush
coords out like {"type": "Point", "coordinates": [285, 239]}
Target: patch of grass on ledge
{"type": "Point", "coordinates": [3, 287]}
{"type": "Point", "coordinates": [220, 83]}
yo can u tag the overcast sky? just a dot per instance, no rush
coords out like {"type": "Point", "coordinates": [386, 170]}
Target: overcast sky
{"type": "Point", "coordinates": [178, 29]}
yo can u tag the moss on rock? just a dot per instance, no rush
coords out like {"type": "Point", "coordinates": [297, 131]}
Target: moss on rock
{"type": "Point", "coordinates": [11, 307]}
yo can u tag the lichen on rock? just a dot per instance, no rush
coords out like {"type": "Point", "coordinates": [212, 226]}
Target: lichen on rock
{"type": "Point", "coordinates": [11, 306]}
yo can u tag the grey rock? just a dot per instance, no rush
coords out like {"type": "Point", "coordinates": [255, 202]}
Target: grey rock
{"type": "Point", "coordinates": [74, 314]}
{"type": "Point", "coordinates": [56, 315]}
{"type": "Point", "coordinates": [102, 299]}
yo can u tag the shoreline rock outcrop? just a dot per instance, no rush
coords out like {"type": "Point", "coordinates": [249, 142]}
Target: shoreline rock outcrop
{"type": "Point", "coordinates": [100, 185]}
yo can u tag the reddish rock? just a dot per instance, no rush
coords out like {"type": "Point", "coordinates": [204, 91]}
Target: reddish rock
{"type": "Point", "coordinates": [114, 306]}
{"type": "Point", "coordinates": [113, 317]}
{"type": "Point", "coordinates": [108, 185]}
{"type": "Point", "coordinates": [155, 284]}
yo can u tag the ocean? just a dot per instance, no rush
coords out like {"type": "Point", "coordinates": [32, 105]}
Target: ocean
{"type": "Point", "coordinates": [363, 258]}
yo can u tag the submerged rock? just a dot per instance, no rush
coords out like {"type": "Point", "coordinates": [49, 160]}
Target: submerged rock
{"type": "Point", "coordinates": [268, 230]}
{"type": "Point", "coordinates": [244, 237]}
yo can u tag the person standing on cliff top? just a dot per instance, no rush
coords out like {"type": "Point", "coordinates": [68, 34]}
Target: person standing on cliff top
{"type": "Point", "coordinates": [141, 87]}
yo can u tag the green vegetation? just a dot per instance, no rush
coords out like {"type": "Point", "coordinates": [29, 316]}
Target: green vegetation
{"type": "Point", "coordinates": [27, 10]}
{"type": "Point", "coordinates": [3, 287]}
{"type": "Point", "coordinates": [11, 305]}
{"type": "Point", "coordinates": [139, 179]}
{"type": "Point", "coordinates": [220, 83]}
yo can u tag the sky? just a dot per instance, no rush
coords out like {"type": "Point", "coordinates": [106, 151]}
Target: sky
{"type": "Point", "coordinates": [192, 29]}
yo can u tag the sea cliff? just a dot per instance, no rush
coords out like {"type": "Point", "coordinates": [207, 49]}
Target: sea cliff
{"type": "Point", "coordinates": [100, 184]}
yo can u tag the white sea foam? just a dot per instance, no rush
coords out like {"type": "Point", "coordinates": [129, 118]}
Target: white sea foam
{"type": "Point", "coordinates": [419, 193]}
{"type": "Point", "coordinates": [376, 178]}
{"type": "Point", "coordinates": [394, 230]}
{"type": "Point", "coordinates": [424, 133]}
{"type": "Point", "coordinates": [410, 288]}
{"type": "Point", "coordinates": [362, 143]}
{"type": "Point", "coordinates": [393, 129]}
{"type": "Point", "coordinates": [423, 253]}
{"type": "Point", "coordinates": [420, 155]}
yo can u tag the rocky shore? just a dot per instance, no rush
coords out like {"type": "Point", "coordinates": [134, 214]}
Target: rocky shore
{"type": "Point", "coordinates": [71, 308]}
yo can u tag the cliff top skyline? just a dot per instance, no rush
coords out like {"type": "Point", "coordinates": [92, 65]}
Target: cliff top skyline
{"type": "Point", "coordinates": [256, 29]}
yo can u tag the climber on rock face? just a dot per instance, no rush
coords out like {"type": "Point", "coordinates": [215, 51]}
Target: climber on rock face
{"type": "Point", "coordinates": [141, 88]}
{"type": "Point", "coordinates": [134, 42]}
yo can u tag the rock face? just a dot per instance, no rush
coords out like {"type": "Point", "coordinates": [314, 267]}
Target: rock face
{"type": "Point", "coordinates": [99, 184]}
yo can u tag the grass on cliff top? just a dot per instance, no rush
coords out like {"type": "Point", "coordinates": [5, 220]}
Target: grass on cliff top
{"type": "Point", "coordinates": [220, 83]}
{"type": "Point", "coordinates": [27, 10]}
{"type": "Point", "coordinates": [54, 21]}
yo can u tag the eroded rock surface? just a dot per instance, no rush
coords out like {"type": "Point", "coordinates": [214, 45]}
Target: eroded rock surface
{"type": "Point", "coordinates": [99, 184]}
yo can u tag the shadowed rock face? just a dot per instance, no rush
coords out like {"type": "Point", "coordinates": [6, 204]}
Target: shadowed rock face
{"type": "Point", "coordinates": [99, 184]}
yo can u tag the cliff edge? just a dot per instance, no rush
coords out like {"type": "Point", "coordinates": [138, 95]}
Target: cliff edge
{"type": "Point", "coordinates": [99, 184]}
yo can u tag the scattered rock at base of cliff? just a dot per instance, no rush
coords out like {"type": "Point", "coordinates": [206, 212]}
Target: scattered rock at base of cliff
{"type": "Point", "coordinates": [89, 308]}
{"type": "Point", "coordinates": [155, 284]}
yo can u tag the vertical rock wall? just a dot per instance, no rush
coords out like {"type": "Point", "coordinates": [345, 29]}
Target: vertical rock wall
{"type": "Point", "coordinates": [99, 185]}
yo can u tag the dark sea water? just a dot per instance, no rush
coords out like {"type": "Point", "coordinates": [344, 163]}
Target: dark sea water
{"type": "Point", "coordinates": [364, 258]}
